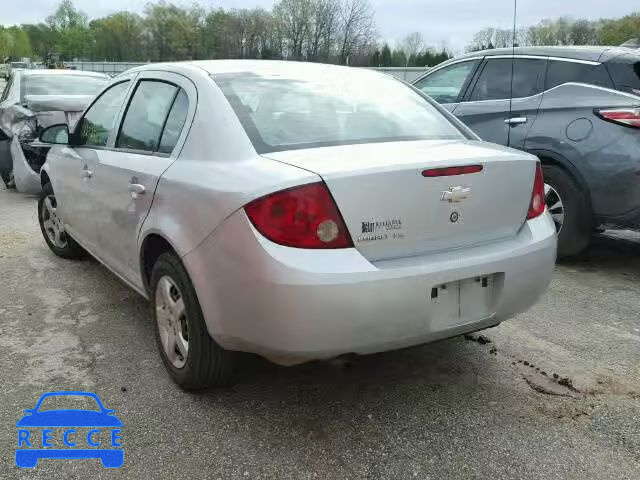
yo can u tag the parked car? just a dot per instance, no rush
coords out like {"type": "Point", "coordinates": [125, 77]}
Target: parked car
{"type": "Point", "coordinates": [32, 100]}
{"type": "Point", "coordinates": [290, 210]}
{"type": "Point", "coordinates": [576, 108]}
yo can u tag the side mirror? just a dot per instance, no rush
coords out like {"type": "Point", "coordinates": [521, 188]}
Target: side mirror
{"type": "Point", "coordinates": [56, 134]}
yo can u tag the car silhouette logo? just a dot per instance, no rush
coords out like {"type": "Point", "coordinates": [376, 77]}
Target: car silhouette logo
{"type": "Point", "coordinates": [82, 433]}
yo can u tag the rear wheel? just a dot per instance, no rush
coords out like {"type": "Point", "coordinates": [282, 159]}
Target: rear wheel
{"type": "Point", "coordinates": [52, 226]}
{"type": "Point", "coordinates": [569, 210]}
{"type": "Point", "coordinates": [194, 360]}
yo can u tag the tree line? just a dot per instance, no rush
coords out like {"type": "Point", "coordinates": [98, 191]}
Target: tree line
{"type": "Point", "coordinates": [562, 31]}
{"type": "Point", "coordinates": [334, 31]}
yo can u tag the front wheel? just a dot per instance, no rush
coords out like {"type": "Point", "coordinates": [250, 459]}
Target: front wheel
{"type": "Point", "coordinates": [7, 178]}
{"type": "Point", "coordinates": [569, 209]}
{"type": "Point", "coordinates": [194, 360]}
{"type": "Point", "coordinates": [52, 227]}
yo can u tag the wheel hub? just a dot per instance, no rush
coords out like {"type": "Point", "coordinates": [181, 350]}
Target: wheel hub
{"type": "Point", "coordinates": [172, 321]}
{"type": "Point", "coordinates": [555, 206]}
{"type": "Point", "coordinates": [52, 223]}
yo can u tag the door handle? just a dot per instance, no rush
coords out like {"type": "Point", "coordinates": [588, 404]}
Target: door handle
{"type": "Point", "coordinates": [515, 120]}
{"type": "Point", "coordinates": [85, 173]}
{"type": "Point", "coordinates": [136, 189]}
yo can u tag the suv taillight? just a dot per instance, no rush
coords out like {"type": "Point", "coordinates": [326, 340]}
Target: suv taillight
{"type": "Point", "coordinates": [537, 206]}
{"type": "Point", "coordinates": [302, 217]}
{"type": "Point", "coordinates": [629, 117]}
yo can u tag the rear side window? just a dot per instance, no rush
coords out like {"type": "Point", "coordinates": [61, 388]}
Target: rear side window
{"type": "Point", "coordinates": [495, 82]}
{"type": "Point", "coordinates": [560, 72]}
{"type": "Point", "coordinates": [625, 72]}
{"type": "Point", "coordinates": [7, 88]}
{"type": "Point", "coordinates": [175, 122]}
{"type": "Point", "coordinates": [143, 123]}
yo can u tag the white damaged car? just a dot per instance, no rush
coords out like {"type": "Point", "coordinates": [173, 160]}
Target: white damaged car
{"type": "Point", "coordinates": [31, 101]}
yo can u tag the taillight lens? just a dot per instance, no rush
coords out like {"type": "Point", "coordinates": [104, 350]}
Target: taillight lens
{"type": "Point", "coordinates": [537, 206]}
{"type": "Point", "coordinates": [302, 217]}
{"type": "Point", "coordinates": [629, 117]}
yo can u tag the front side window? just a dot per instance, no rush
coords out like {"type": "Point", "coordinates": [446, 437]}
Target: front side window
{"type": "Point", "coordinates": [100, 120]}
{"type": "Point", "coordinates": [142, 125]}
{"type": "Point", "coordinates": [495, 82]}
{"type": "Point", "coordinates": [444, 85]}
{"type": "Point", "coordinates": [285, 112]}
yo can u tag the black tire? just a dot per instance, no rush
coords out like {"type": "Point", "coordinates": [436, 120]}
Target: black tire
{"type": "Point", "coordinates": [71, 250]}
{"type": "Point", "coordinates": [7, 178]}
{"type": "Point", "coordinates": [575, 235]}
{"type": "Point", "coordinates": [207, 363]}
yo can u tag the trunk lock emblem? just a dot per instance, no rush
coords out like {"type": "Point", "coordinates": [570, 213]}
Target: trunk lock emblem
{"type": "Point", "coordinates": [455, 194]}
{"type": "Point", "coordinates": [454, 216]}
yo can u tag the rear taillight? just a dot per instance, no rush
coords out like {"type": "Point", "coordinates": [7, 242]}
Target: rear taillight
{"type": "Point", "coordinates": [629, 117]}
{"type": "Point", "coordinates": [302, 217]}
{"type": "Point", "coordinates": [537, 206]}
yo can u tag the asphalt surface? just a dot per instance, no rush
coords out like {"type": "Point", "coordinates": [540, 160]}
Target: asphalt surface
{"type": "Point", "coordinates": [460, 408]}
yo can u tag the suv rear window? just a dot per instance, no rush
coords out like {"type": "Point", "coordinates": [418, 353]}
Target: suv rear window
{"type": "Point", "coordinates": [560, 72]}
{"type": "Point", "coordinates": [625, 71]}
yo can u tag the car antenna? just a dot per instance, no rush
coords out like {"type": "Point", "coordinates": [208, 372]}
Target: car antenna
{"type": "Point", "coordinates": [513, 54]}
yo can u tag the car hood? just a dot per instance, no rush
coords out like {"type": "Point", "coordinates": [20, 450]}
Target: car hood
{"type": "Point", "coordinates": [69, 418]}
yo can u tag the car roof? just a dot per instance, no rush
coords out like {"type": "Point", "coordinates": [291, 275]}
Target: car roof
{"type": "Point", "coordinates": [586, 53]}
{"type": "Point", "coordinates": [60, 71]}
{"type": "Point", "coordinates": [262, 67]}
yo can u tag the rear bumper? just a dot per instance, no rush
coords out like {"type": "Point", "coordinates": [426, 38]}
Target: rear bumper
{"type": "Point", "coordinates": [293, 305]}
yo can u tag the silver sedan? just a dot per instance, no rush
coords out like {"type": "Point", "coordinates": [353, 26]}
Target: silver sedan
{"type": "Point", "coordinates": [297, 211]}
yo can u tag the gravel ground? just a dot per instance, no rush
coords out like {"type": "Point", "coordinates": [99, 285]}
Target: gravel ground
{"type": "Point", "coordinates": [485, 406]}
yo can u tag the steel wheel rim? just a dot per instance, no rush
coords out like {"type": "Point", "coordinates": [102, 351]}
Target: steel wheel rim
{"type": "Point", "coordinates": [172, 321]}
{"type": "Point", "coordinates": [555, 206]}
{"type": "Point", "coordinates": [51, 223]}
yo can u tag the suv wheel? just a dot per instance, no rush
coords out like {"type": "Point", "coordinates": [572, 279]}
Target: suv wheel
{"type": "Point", "coordinates": [569, 209]}
{"type": "Point", "coordinates": [194, 360]}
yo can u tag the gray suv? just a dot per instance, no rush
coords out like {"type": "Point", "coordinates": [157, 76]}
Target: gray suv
{"type": "Point", "coordinates": [576, 108]}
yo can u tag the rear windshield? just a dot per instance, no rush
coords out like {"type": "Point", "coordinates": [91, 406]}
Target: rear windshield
{"type": "Point", "coordinates": [281, 113]}
{"type": "Point", "coordinates": [63, 85]}
{"type": "Point", "coordinates": [625, 71]}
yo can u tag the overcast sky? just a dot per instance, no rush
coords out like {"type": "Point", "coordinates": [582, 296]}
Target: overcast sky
{"type": "Point", "coordinates": [449, 22]}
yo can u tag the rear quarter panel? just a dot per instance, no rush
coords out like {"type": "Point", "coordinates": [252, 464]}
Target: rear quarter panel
{"type": "Point", "coordinates": [217, 172]}
{"type": "Point", "coordinates": [603, 156]}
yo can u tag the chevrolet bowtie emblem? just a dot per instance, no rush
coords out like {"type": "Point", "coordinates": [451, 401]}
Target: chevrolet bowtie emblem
{"type": "Point", "coordinates": [455, 194]}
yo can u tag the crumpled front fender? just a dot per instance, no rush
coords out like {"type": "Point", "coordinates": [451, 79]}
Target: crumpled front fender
{"type": "Point", "coordinates": [27, 181]}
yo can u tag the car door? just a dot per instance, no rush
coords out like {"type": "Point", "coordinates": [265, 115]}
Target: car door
{"type": "Point", "coordinates": [447, 84]}
{"type": "Point", "coordinates": [74, 165]}
{"type": "Point", "coordinates": [148, 140]}
{"type": "Point", "coordinates": [503, 101]}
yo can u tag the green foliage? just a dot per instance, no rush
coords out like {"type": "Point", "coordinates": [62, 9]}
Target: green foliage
{"type": "Point", "coordinates": [339, 31]}
{"type": "Point", "coordinates": [562, 31]}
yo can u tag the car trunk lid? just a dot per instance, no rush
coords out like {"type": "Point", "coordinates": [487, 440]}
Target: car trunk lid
{"type": "Point", "coordinates": [392, 209]}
